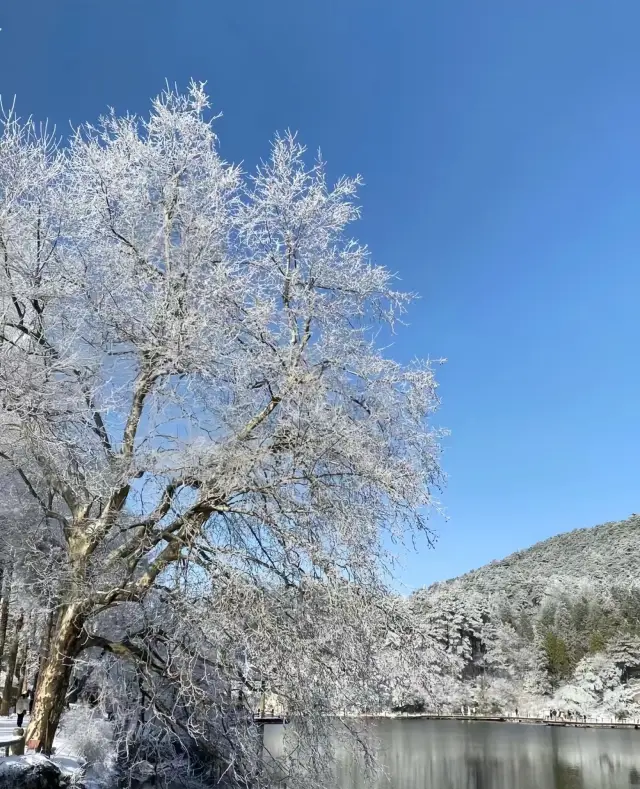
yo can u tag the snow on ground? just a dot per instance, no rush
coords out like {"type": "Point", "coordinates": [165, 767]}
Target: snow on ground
{"type": "Point", "coordinates": [8, 763]}
{"type": "Point", "coordinates": [83, 748]}
{"type": "Point", "coordinates": [84, 734]}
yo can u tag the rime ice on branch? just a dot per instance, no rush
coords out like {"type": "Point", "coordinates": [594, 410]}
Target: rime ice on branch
{"type": "Point", "coordinates": [198, 425]}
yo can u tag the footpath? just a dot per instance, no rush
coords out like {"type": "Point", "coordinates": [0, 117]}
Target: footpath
{"type": "Point", "coordinates": [589, 723]}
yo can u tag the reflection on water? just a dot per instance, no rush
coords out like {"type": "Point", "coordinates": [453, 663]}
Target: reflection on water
{"type": "Point", "coordinates": [421, 754]}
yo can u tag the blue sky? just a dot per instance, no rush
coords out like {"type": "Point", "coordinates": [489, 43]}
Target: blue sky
{"type": "Point", "coordinates": [499, 142]}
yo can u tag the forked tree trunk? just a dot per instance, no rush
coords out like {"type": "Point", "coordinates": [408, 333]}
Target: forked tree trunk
{"type": "Point", "coordinates": [4, 607]}
{"type": "Point", "coordinates": [12, 657]}
{"type": "Point", "coordinates": [53, 682]}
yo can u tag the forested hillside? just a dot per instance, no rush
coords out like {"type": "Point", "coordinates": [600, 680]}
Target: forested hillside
{"type": "Point", "coordinates": [603, 553]}
{"type": "Point", "coordinates": [556, 624]}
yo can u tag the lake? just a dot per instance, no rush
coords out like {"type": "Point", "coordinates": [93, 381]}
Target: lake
{"type": "Point", "coordinates": [423, 754]}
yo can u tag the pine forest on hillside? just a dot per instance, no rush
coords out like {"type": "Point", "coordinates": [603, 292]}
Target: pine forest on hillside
{"type": "Point", "coordinates": [556, 626]}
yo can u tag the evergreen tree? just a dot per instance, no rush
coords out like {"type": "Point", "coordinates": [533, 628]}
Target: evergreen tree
{"type": "Point", "coordinates": [558, 658]}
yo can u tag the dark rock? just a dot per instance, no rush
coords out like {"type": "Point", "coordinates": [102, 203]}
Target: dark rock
{"type": "Point", "coordinates": [30, 772]}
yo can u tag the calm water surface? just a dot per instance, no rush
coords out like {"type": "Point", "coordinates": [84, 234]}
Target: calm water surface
{"type": "Point", "coordinates": [420, 754]}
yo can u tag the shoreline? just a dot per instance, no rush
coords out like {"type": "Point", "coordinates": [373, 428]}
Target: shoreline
{"type": "Point", "coordinates": [520, 720]}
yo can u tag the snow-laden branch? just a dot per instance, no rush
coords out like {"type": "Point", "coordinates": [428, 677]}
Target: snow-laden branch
{"type": "Point", "coordinates": [194, 398]}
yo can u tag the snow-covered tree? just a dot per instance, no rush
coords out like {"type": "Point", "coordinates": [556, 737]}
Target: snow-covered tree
{"type": "Point", "coordinates": [193, 400]}
{"type": "Point", "coordinates": [454, 620]}
{"type": "Point", "coordinates": [624, 651]}
{"type": "Point", "coordinates": [596, 674]}
{"type": "Point", "coordinates": [410, 664]}
{"type": "Point", "coordinates": [503, 649]}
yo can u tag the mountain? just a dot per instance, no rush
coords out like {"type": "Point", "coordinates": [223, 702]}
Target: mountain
{"type": "Point", "coordinates": [599, 555]}
{"type": "Point", "coordinates": [558, 620]}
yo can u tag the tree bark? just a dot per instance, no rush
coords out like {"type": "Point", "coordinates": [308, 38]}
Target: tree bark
{"type": "Point", "coordinates": [23, 654]}
{"type": "Point", "coordinates": [12, 657]}
{"type": "Point", "coordinates": [45, 643]}
{"type": "Point", "coordinates": [53, 682]}
{"type": "Point", "coordinates": [4, 607]}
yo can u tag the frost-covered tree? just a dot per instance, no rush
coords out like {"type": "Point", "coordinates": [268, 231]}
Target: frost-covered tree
{"type": "Point", "coordinates": [454, 620]}
{"type": "Point", "coordinates": [624, 651]}
{"type": "Point", "coordinates": [597, 674]}
{"type": "Point", "coordinates": [194, 403]}
{"type": "Point", "coordinates": [411, 664]}
{"type": "Point", "coordinates": [597, 688]}
{"type": "Point", "coordinates": [503, 649]}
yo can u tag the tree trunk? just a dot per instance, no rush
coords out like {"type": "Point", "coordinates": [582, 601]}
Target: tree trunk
{"type": "Point", "coordinates": [45, 643]}
{"type": "Point", "coordinates": [54, 678]}
{"type": "Point", "coordinates": [12, 657]}
{"type": "Point", "coordinates": [23, 654]}
{"type": "Point", "coordinates": [4, 607]}
{"type": "Point", "coordinates": [31, 663]}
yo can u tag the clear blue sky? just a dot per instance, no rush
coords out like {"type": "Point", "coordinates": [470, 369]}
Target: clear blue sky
{"type": "Point", "coordinates": [500, 145]}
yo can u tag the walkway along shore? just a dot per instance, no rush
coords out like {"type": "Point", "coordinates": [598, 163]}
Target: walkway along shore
{"type": "Point", "coordinates": [590, 723]}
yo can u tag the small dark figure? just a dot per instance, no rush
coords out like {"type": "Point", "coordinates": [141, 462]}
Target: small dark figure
{"type": "Point", "coordinates": [516, 712]}
{"type": "Point", "coordinates": [22, 707]}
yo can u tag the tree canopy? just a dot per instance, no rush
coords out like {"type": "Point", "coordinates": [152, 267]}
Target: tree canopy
{"type": "Point", "coordinates": [202, 440]}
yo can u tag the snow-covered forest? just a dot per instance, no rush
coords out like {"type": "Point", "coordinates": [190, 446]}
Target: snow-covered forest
{"type": "Point", "coordinates": [556, 626]}
{"type": "Point", "coordinates": [204, 449]}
